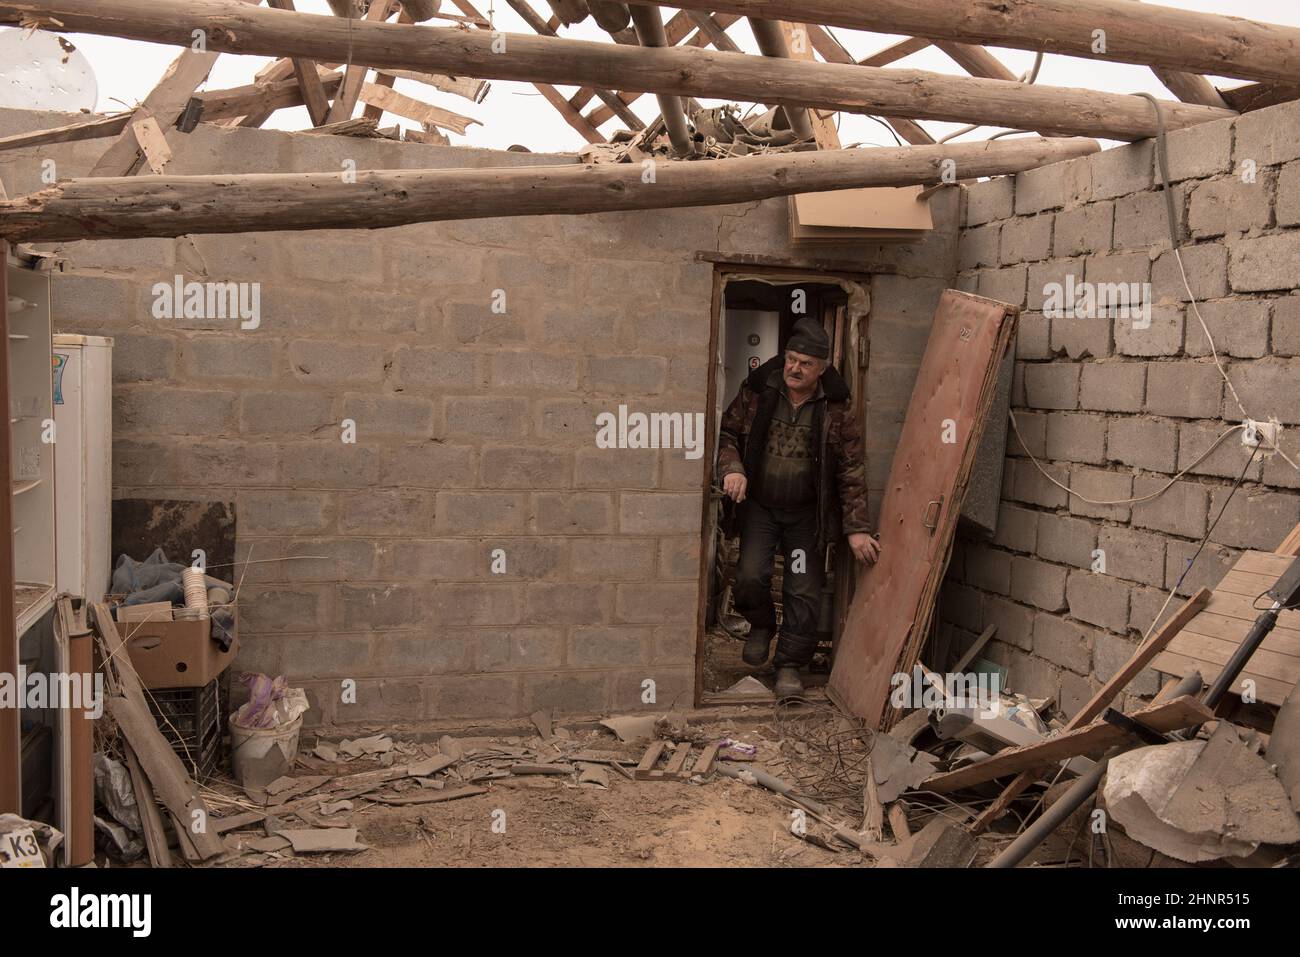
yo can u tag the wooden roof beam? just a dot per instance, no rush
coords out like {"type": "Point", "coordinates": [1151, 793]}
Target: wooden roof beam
{"type": "Point", "coordinates": [679, 71]}
{"type": "Point", "coordinates": [176, 205]}
{"type": "Point", "coordinates": [1130, 33]}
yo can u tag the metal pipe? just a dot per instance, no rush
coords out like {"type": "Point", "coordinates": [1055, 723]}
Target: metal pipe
{"type": "Point", "coordinates": [771, 42]}
{"type": "Point", "coordinates": [1079, 791]}
{"type": "Point", "coordinates": [650, 31]}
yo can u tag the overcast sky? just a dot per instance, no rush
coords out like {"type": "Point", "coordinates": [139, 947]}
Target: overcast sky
{"type": "Point", "coordinates": [127, 70]}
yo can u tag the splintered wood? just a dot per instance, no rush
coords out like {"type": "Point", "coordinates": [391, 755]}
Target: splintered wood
{"type": "Point", "coordinates": [893, 603]}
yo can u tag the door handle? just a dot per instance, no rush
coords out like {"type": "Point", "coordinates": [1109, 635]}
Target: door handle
{"type": "Point", "coordinates": [930, 518]}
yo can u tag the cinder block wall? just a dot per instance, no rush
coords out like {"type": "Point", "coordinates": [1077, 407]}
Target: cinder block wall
{"type": "Point", "coordinates": [474, 430]}
{"type": "Point", "coordinates": [1114, 411]}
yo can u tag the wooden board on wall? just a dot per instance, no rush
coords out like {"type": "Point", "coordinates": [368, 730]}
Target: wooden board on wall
{"type": "Point", "coordinates": [894, 600]}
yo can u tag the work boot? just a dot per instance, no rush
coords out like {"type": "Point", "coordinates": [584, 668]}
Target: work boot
{"type": "Point", "coordinates": [788, 684]}
{"type": "Point", "coordinates": [757, 646]}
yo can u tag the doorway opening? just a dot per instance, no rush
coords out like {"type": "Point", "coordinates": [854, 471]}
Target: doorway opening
{"type": "Point", "coordinates": [753, 317]}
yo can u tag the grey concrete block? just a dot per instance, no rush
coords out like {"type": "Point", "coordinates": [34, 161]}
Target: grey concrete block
{"type": "Point", "coordinates": [1098, 599]}
{"type": "Point", "coordinates": [1131, 555]}
{"type": "Point", "coordinates": [1257, 519]}
{"type": "Point", "coordinates": [1076, 437]}
{"type": "Point", "coordinates": [1091, 491]}
{"type": "Point", "coordinates": [1084, 230]}
{"type": "Point", "coordinates": [1112, 386]}
{"type": "Point", "coordinates": [1067, 540]}
{"type": "Point", "coordinates": [1265, 263]}
{"type": "Point", "coordinates": [1027, 239]}
{"type": "Point", "coordinates": [1239, 327]}
{"type": "Point", "coordinates": [1052, 385]}
{"type": "Point", "coordinates": [1230, 206]}
{"type": "Point", "coordinates": [1267, 137]}
{"type": "Point", "coordinates": [1062, 643]}
{"type": "Point", "coordinates": [990, 200]}
{"type": "Point", "coordinates": [1145, 443]}
{"type": "Point", "coordinates": [1206, 266]}
{"type": "Point", "coordinates": [1038, 583]}
{"type": "Point", "coordinates": [1184, 389]}
{"type": "Point", "coordinates": [1180, 510]}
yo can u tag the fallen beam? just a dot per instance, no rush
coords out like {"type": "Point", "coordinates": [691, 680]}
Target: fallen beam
{"type": "Point", "coordinates": [234, 27]}
{"type": "Point", "coordinates": [1120, 680]}
{"type": "Point", "coordinates": [1155, 35]}
{"type": "Point", "coordinates": [175, 205]}
{"type": "Point", "coordinates": [1091, 741]}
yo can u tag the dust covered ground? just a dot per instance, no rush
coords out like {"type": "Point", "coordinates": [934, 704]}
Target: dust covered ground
{"type": "Point", "coordinates": [553, 821]}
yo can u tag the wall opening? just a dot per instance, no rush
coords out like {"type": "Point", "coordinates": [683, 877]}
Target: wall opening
{"type": "Point", "coordinates": [754, 312]}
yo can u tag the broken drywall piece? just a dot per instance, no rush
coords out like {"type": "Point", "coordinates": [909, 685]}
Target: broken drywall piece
{"type": "Point", "coordinates": [375, 744]}
{"type": "Point", "coordinates": [326, 751]}
{"type": "Point", "coordinates": [640, 727]}
{"type": "Point", "coordinates": [898, 767]}
{"type": "Point", "coordinates": [1200, 800]}
{"type": "Point", "coordinates": [313, 840]}
{"type": "Point", "coordinates": [749, 685]}
{"type": "Point", "coordinates": [1284, 747]}
{"type": "Point", "coordinates": [593, 774]}
{"type": "Point", "coordinates": [939, 844]}
{"type": "Point", "coordinates": [450, 747]}
{"type": "Point", "coordinates": [335, 807]}
{"type": "Point", "coordinates": [429, 766]}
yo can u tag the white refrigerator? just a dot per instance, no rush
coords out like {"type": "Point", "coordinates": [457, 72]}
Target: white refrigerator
{"type": "Point", "coordinates": [83, 463]}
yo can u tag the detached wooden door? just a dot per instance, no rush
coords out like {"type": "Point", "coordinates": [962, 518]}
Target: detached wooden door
{"type": "Point", "coordinates": [892, 604]}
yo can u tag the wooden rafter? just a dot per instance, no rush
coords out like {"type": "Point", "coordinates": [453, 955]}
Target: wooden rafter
{"type": "Point", "coordinates": [313, 94]}
{"type": "Point", "coordinates": [572, 115]}
{"type": "Point", "coordinates": [125, 155]}
{"type": "Point", "coordinates": [833, 52]}
{"type": "Point", "coordinates": [345, 100]}
{"type": "Point", "coordinates": [543, 28]}
{"type": "Point", "coordinates": [679, 32]}
{"type": "Point", "coordinates": [383, 79]}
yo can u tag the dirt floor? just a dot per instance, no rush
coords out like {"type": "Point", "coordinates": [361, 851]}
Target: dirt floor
{"type": "Point", "coordinates": [548, 821]}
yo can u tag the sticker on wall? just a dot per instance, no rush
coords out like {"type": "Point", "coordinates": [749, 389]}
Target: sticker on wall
{"type": "Point", "coordinates": [60, 363]}
{"type": "Point", "coordinates": [753, 362]}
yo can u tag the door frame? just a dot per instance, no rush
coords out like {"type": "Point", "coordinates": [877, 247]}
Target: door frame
{"type": "Point", "coordinates": [858, 342]}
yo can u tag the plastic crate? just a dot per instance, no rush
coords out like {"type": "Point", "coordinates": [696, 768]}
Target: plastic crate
{"type": "Point", "coordinates": [190, 720]}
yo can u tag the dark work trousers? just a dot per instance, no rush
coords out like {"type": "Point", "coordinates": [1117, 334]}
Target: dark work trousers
{"type": "Point", "coordinates": [763, 530]}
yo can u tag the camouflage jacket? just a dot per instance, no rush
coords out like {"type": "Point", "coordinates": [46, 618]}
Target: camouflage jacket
{"type": "Point", "coordinates": [841, 467]}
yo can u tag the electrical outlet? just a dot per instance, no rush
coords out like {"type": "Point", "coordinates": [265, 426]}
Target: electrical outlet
{"type": "Point", "coordinates": [1260, 433]}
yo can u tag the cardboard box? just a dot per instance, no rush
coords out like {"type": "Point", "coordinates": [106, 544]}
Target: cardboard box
{"type": "Point", "coordinates": [176, 654]}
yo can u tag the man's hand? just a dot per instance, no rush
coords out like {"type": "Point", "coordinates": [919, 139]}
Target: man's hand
{"type": "Point", "coordinates": [735, 484]}
{"type": "Point", "coordinates": [866, 548]}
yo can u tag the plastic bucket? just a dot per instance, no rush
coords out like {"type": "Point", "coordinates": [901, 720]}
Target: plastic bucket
{"type": "Point", "coordinates": [260, 755]}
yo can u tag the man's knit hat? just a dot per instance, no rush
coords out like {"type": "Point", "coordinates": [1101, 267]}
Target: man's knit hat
{"type": "Point", "coordinates": [810, 339]}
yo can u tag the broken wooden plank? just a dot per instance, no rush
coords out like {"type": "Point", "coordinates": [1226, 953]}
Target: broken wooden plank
{"type": "Point", "coordinates": [1141, 658]}
{"type": "Point", "coordinates": [1091, 741]}
{"type": "Point", "coordinates": [426, 797]}
{"type": "Point", "coordinates": [413, 109]}
{"type": "Point", "coordinates": [164, 769]}
{"type": "Point", "coordinates": [650, 758]}
{"type": "Point", "coordinates": [155, 834]}
{"type": "Point", "coordinates": [704, 764]}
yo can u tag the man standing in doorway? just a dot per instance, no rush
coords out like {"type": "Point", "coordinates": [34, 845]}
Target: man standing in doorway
{"type": "Point", "coordinates": [790, 456]}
